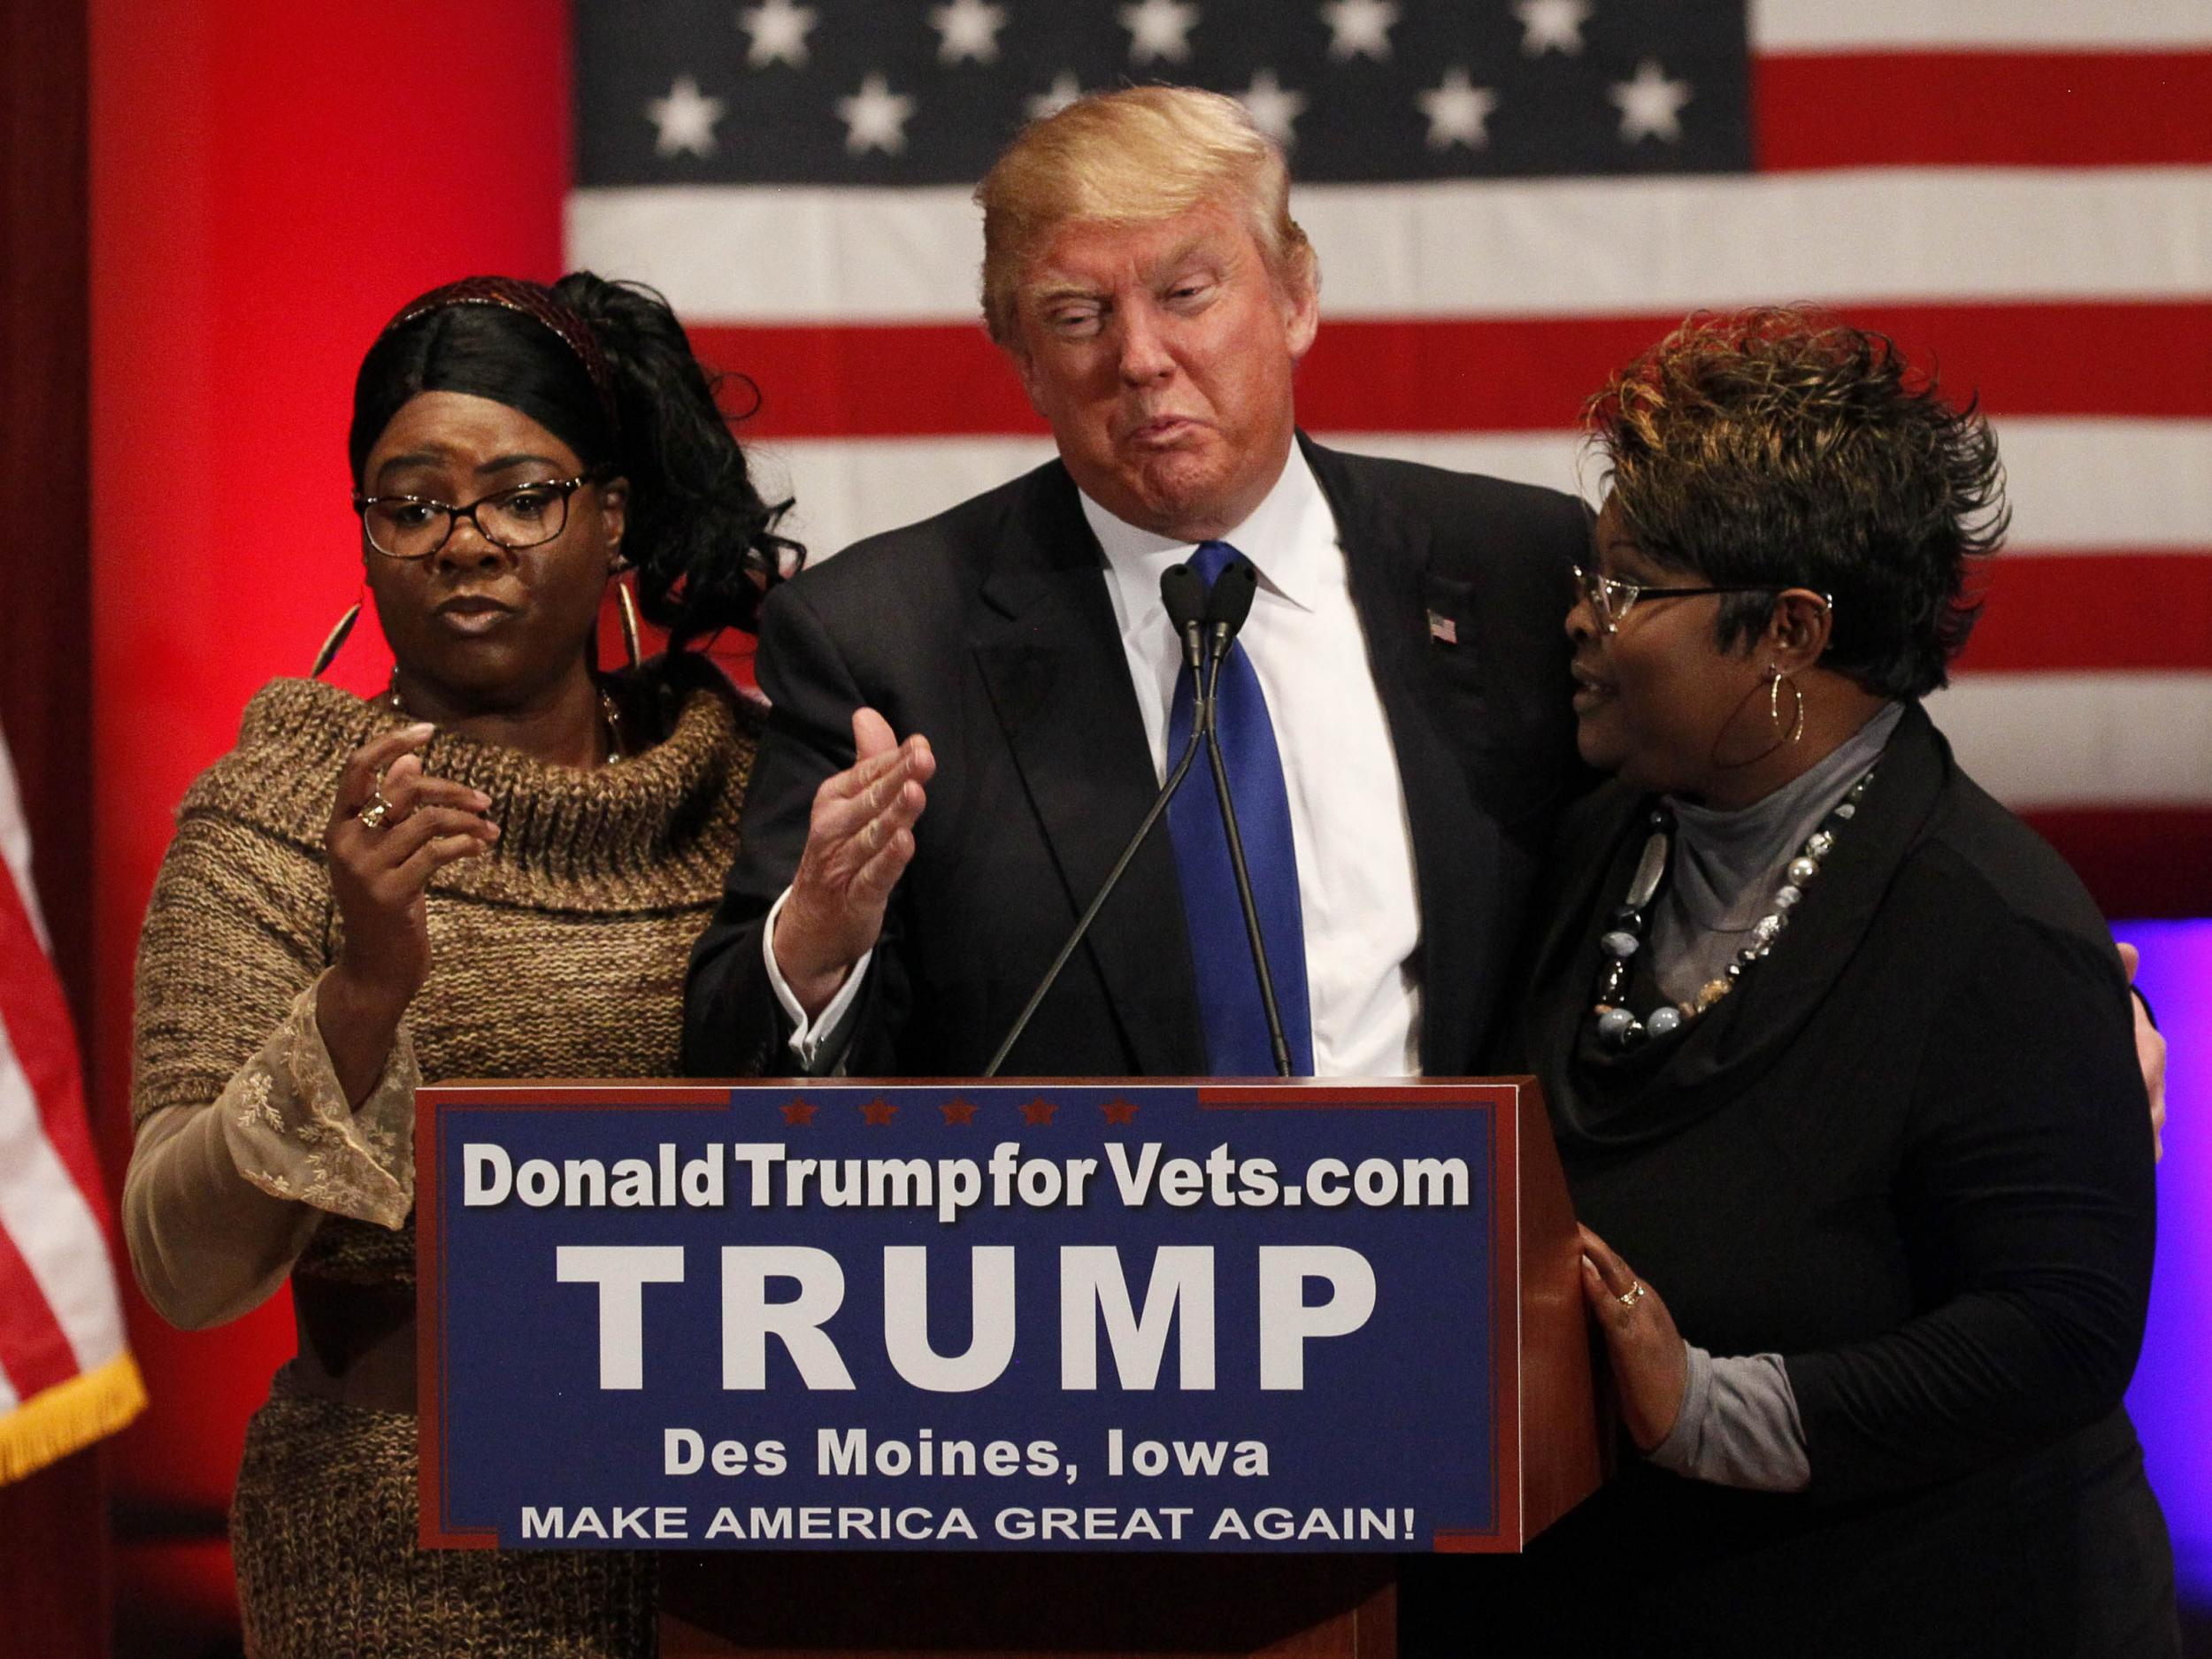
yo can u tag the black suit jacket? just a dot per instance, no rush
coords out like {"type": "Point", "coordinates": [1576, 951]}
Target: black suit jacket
{"type": "Point", "coordinates": [988, 629]}
{"type": "Point", "coordinates": [1911, 1154]}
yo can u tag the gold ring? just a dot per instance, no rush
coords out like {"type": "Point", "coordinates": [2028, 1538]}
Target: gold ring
{"type": "Point", "coordinates": [1633, 1294]}
{"type": "Point", "coordinates": [376, 811]}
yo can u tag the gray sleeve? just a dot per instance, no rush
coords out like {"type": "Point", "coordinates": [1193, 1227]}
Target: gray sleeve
{"type": "Point", "coordinates": [1737, 1426]}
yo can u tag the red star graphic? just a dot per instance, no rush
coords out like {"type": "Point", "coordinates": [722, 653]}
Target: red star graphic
{"type": "Point", "coordinates": [959, 1111]}
{"type": "Point", "coordinates": [1119, 1111]}
{"type": "Point", "coordinates": [799, 1111]}
{"type": "Point", "coordinates": [1039, 1111]}
{"type": "Point", "coordinates": [879, 1111]}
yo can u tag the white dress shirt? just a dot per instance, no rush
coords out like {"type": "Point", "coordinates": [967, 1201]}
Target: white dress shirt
{"type": "Point", "coordinates": [1347, 810]}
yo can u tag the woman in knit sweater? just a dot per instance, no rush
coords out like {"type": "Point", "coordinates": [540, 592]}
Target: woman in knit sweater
{"type": "Point", "coordinates": [496, 868]}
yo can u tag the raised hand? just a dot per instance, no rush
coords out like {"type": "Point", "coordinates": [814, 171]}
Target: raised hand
{"type": "Point", "coordinates": [391, 828]}
{"type": "Point", "coordinates": [859, 839]}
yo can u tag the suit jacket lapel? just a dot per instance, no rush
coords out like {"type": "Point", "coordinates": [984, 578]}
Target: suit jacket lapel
{"type": "Point", "coordinates": [1455, 845]}
{"type": "Point", "coordinates": [1046, 645]}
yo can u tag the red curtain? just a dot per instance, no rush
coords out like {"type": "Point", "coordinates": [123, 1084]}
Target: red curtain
{"type": "Point", "coordinates": [269, 182]}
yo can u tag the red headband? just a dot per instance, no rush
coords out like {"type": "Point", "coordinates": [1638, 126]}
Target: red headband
{"type": "Point", "coordinates": [532, 301]}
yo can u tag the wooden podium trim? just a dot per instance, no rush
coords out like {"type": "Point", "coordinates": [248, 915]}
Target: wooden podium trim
{"type": "Point", "coordinates": [1561, 1455]}
{"type": "Point", "coordinates": [1038, 1606]}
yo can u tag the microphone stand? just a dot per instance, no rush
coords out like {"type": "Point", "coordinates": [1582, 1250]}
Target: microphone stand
{"type": "Point", "coordinates": [1179, 588]}
{"type": "Point", "coordinates": [1227, 613]}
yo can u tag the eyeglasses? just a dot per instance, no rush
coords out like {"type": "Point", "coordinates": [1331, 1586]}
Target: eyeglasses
{"type": "Point", "coordinates": [1610, 599]}
{"type": "Point", "coordinates": [415, 526]}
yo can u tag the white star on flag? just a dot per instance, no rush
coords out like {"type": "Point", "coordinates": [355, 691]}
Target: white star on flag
{"type": "Point", "coordinates": [967, 29]}
{"type": "Point", "coordinates": [1064, 90]}
{"type": "Point", "coordinates": [1359, 28]}
{"type": "Point", "coordinates": [875, 118]}
{"type": "Point", "coordinates": [685, 119]}
{"type": "Point", "coordinates": [1551, 26]}
{"type": "Point", "coordinates": [778, 29]}
{"type": "Point", "coordinates": [1271, 107]}
{"type": "Point", "coordinates": [1459, 112]}
{"type": "Point", "coordinates": [1159, 30]}
{"type": "Point", "coordinates": [1651, 104]}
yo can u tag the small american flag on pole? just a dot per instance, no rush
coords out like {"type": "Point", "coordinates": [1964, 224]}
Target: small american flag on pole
{"type": "Point", "coordinates": [1510, 198]}
{"type": "Point", "coordinates": [67, 1377]}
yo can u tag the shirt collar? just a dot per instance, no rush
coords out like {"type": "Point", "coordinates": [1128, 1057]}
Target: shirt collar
{"type": "Point", "coordinates": [1287, 536]}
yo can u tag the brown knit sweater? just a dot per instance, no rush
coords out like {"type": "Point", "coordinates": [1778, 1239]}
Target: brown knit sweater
{"type": "Point", "coordinates": [561, 954]}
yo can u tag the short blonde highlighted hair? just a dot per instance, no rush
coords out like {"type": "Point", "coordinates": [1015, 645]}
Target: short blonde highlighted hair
{"type": "Point", "coordinates": [1781, 447]}
{"type": "Point", "coordinates": [1135, 157]}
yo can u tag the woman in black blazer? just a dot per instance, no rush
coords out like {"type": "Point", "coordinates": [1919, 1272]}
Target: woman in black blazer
{"type": "Point", "coordinates": [1838, 1055]}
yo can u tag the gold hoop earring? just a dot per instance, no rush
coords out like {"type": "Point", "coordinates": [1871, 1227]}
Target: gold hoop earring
{"type": "Point", "coordinates": [334, 639]}
{"type": "Point", "coordinates": [627, 606]}
{"type": "Point", "coordinates": [1774, 705]}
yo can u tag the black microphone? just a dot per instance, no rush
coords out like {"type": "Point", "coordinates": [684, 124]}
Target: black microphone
{"type": "Point", "coordinates": [1226, 608]}
{"type": "Point", "coordinates": [1183, 593]}
{"type": "Point", "coordinates": [1229, 604]}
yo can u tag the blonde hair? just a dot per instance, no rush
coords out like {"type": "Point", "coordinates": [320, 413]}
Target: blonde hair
{"type": "Point", "coordinates": [1135, 157]}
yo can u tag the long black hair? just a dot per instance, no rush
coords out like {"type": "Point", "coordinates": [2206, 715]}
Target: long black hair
{"type": "Point", "coordinates": [604, 367]}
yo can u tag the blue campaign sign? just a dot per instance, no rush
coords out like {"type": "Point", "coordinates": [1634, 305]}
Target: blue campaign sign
{"type": "Point", "coordinates": [973, 1317]}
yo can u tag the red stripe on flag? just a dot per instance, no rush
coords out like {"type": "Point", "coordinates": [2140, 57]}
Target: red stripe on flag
{"type": "Point", "coordinates": [871, 380]}
{"type": "Point", "coordinates": [2143, 359]}
{"type": "Point", "coordinates": [34, 1350]}
{"type": "Point", "coordinates": [1982, 110]}
{"type": "Point", "coordinates": [1517, 374]}
{"type": "Point", "coordinates": [2140, 862]}
{"type": "Point", "coordinates": [1470, 374]}
{"type": "Point", "coordinates": [36, 1020]}
{"type": "Point", "coordinates": [2092, 612]}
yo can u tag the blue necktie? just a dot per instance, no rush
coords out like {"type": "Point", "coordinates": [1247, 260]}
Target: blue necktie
{"type": "Point", "coordinates": [1229, 1004]}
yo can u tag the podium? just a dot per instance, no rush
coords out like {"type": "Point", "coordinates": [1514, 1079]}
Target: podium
{"type": "Point", "coordinates": [1041, 1607]}
{"type": "Point", "coordinates": [1448, 1317]}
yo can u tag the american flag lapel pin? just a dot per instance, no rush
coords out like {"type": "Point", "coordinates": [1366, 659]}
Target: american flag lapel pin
{"type": "Point", "coordinates": [1443, 629]}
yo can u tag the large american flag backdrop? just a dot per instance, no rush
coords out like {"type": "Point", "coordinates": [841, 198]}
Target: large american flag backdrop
{"type": "Point", "coordinates": [1508, 200]}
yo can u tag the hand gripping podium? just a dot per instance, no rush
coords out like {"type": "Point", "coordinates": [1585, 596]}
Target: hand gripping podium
{"type": "Point", "coordinates": [1038, 1367]}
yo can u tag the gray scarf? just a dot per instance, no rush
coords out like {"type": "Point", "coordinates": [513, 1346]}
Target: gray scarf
{"type": "Point", "coordinates": [1726, 866]}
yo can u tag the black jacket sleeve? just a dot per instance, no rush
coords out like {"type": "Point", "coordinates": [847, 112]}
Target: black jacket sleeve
{"type": "Point", "coordinates": [2027, 1197]}
{"type": "Point", "coordinates": [733, 1025]}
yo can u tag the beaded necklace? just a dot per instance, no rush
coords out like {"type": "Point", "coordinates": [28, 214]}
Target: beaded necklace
{"type": "Point", "coordinates": [1618, 1025]}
